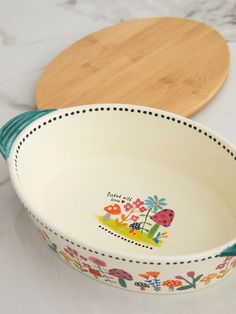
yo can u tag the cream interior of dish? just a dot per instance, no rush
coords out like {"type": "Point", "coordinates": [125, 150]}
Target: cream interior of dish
{"type": "Point", "coordinates": [75, 170]}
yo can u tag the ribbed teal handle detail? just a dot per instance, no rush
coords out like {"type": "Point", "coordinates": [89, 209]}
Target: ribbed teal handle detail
{"type": "Point", "coordinates": [229, 251]}
{"type": "Point", "coordinates": [10, 131]}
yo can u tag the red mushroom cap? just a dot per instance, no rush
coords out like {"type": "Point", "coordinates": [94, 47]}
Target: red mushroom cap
{"type": "Point", "coordinates": [172, 283]}
{"type": "Point", "coordinates": [113, 209]}
{"type": "Point", "coordinates": [164, 217]}
{"type": "Point", "coordinates": [119, 273]}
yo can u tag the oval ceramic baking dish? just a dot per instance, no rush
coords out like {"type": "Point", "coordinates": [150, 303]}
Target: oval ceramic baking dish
{"type": "Point", "coordinates": [134, 197]}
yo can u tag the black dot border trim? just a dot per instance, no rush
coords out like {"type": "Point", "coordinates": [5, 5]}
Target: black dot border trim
{"type": "Point", "coordinates": [125, 239]}
{"type": "Point", "coordinates": [116, 257]}
{"type": "Point", "coordinates": [125, 109]}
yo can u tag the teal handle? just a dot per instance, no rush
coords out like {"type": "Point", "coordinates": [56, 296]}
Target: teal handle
{"type": "Point", "coordinates": [10, 131]}
{"type": "Point", "coordinates": [229, 251]}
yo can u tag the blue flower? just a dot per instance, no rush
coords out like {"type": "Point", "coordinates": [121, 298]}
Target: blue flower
{"type": "Point", "coordinates": [156, 239]}
{"type": "Point", "coordinates": [159, 236]}
{"type": "Point", "coordinates": [155, 203]}
{"type": "Point", "coordinates": [155, 283]}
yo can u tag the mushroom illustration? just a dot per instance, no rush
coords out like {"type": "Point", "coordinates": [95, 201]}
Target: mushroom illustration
{"type": "Point", "coordinates": [121, 275]}
{"type": "Point", "coordinates": [163, 218]}
{"type": "Point", "coordinates": [141, 285]}
{"type": "Point", "coordinates": [134, 226]}
{"type": "Point", "coordinates": [171, 284]}
{"type": "Point", "coordinates": [113, 209]}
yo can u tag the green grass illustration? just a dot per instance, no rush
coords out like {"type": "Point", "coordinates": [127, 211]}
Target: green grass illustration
{"type": "Point", "coordinates": [125, 231]}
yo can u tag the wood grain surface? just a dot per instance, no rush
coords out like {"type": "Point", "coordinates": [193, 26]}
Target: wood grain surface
{"type": "Point", "coordinates": [173, 64]}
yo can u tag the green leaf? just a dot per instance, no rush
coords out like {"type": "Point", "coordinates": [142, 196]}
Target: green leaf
{"type": "Point", "coordinates": [198, 278]}
{"type": "Point", "coordinates": [153, 230]}
{"type": "Point", "coordinates": [53, 246]}
{"type": "Point", "coordinates": [185, 287]}
{"type": "Point", "coordinates": [142, 215]}
{"type": "Point", "coordinates": [122, 282]}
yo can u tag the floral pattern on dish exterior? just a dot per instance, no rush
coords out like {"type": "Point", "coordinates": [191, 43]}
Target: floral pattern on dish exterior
{"type": "Point", "coordinates": [148, 281]}
{"type": "Point", "coordinates": [191, 280]}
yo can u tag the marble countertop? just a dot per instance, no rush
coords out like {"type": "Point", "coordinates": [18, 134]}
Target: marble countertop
{"type": "Point", "coordinates": [32, 32]}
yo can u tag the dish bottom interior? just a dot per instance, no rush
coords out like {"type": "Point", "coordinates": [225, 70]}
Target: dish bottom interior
{"type": "Point", "coordinates": [98, 202]}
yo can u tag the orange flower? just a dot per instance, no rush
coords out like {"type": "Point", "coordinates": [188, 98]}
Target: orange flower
{"type": "Point", "coordinates": [153, 273]}
{"type": "Point", "coordinates": [144, 276]}
{"type": "Point", "coordinates": [208, 277]}
{"type": "Point", "coordinates": [67, 257]}
{"type": "Point", "coordinates": [150, 274]}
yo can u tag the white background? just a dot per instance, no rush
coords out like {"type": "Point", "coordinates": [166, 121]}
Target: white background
{"type": "Point", "coordinates": [32, 32]}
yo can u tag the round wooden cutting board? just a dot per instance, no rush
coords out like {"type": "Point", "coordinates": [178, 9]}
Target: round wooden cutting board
{"type": "Point", "coordinates": [169, 63]}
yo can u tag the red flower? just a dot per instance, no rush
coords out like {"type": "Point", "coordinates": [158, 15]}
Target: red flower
{"type": "Point", "coordinates": [128, 206]}
{"type": "Point", "coordinates": [95, 272]}
{"type": "Point", "coordinates": [86, 265]}
{"type": "Point", "coordinates": [134, 218]}
{"type": "Point", "coordinates": [142, 209]}
{"type": "Point", "coordinates": [191, 274]}
{"type": "Point", "coordinates": [138, 203]}
{"type": "Point", "coordinates": [70, 251]}
{"type": "Point", "coordinates": [179, 277]}
{"type": "Point", "coordinates": [97, 261]}
{"type": "Point", "coordinates": [220, 266]}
